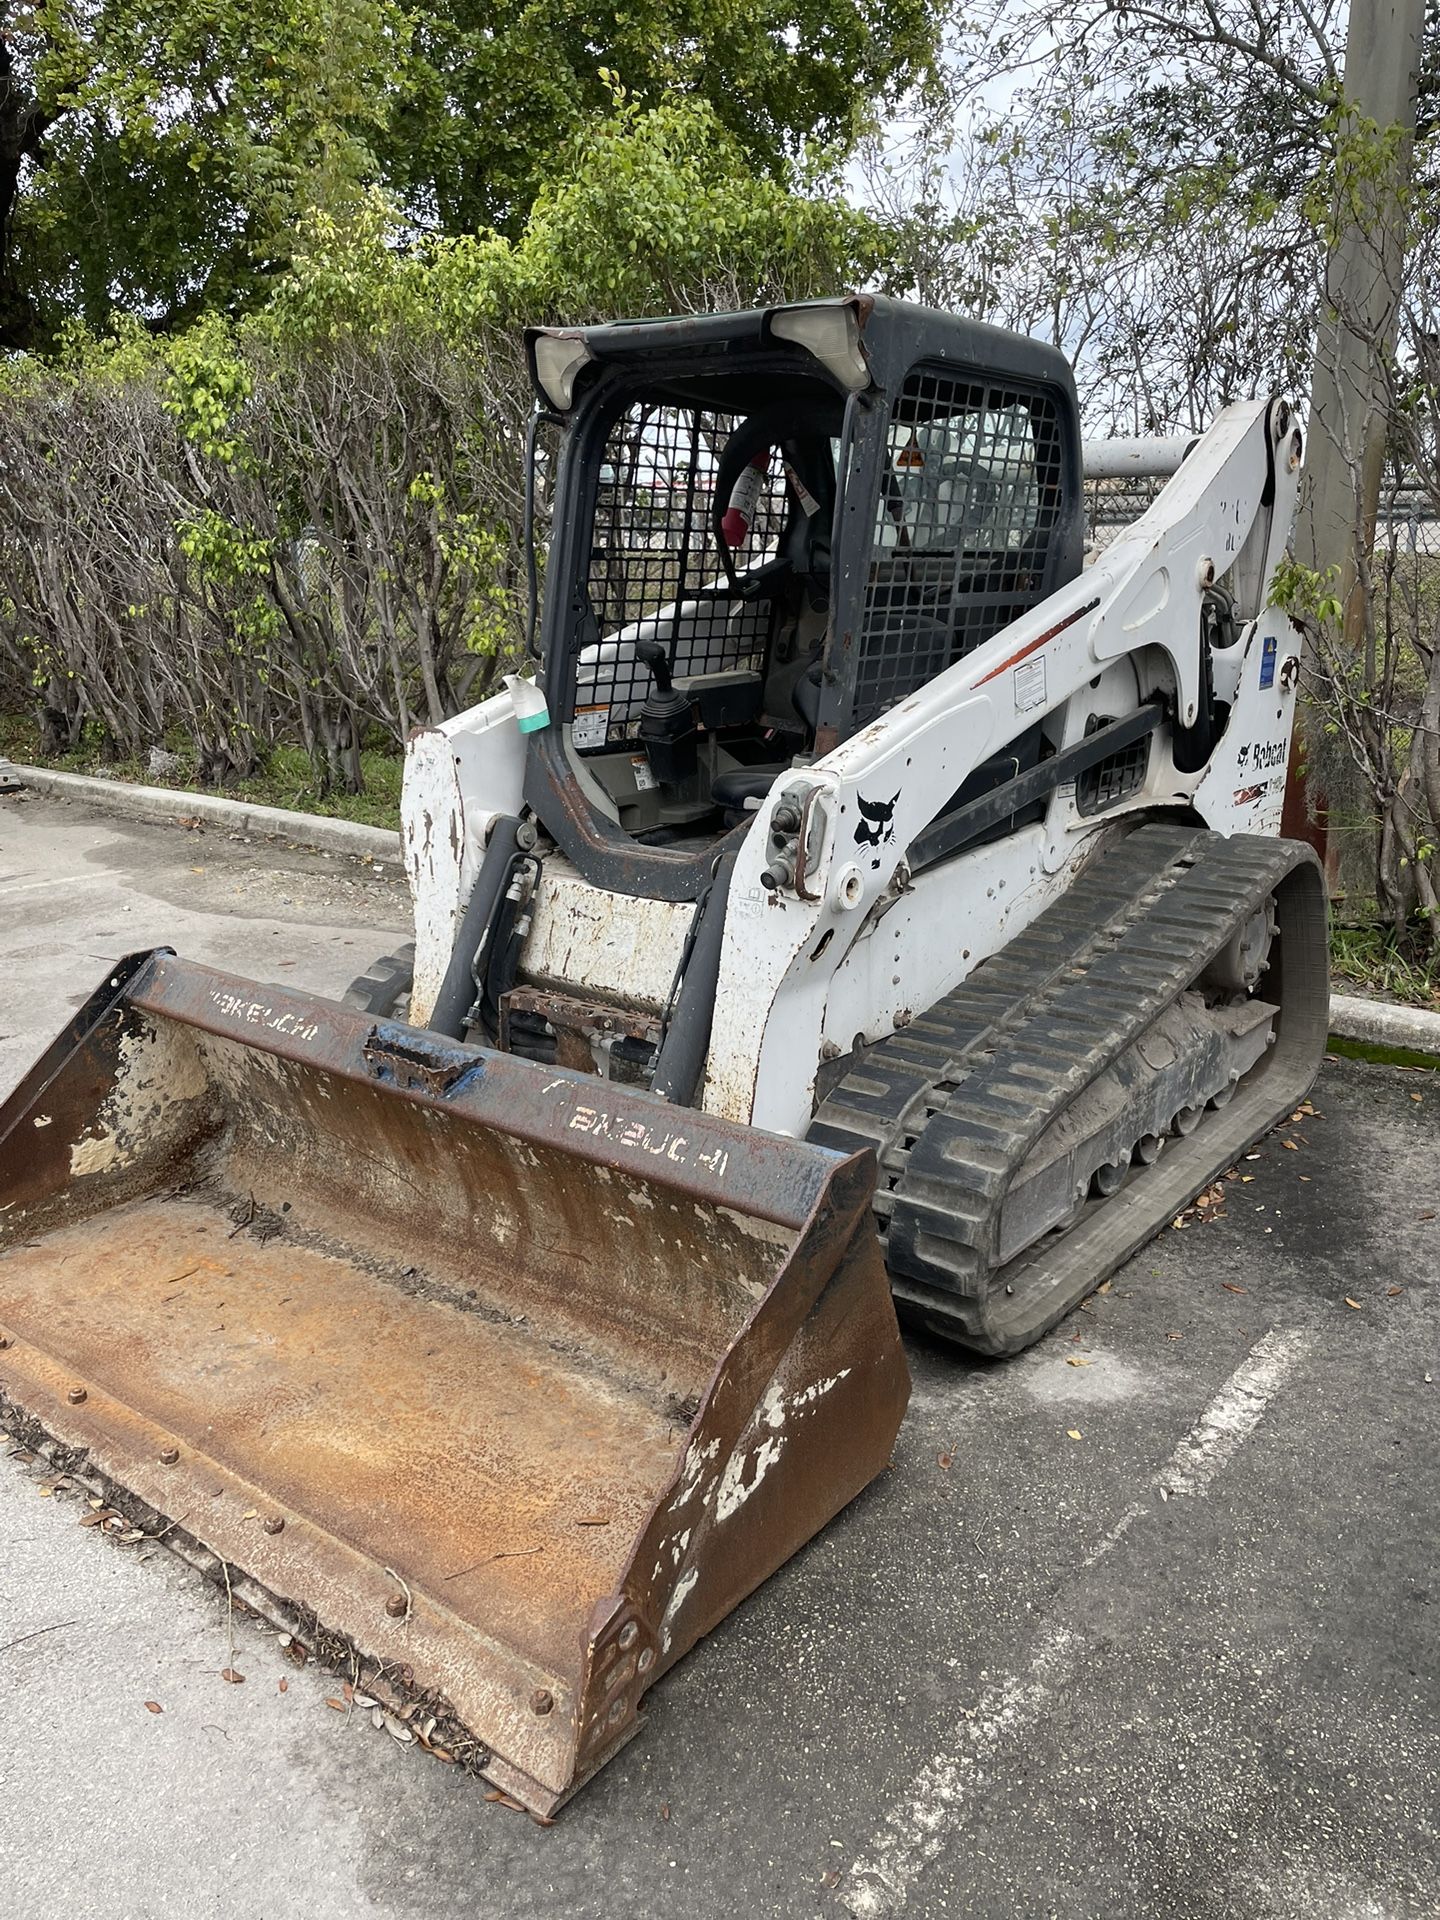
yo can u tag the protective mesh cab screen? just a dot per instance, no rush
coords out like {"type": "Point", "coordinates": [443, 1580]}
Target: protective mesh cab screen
{"type": "Point", "coordinates": [655, 572]}
{"type": "Point", "coordinates": [968, 501]}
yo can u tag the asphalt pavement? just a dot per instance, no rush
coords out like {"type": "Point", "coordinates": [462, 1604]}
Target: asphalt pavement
{"type": "Point", "coordinates": [1144, 1623]}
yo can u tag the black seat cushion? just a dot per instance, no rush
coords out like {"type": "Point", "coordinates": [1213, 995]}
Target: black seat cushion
{"type": "Point", "coordinates": [732, 787]}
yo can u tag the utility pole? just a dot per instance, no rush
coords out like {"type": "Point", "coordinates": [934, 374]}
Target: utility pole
{"type": "Point", "coordinates": [1357, 326]}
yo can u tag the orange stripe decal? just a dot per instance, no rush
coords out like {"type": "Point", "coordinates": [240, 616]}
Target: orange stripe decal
{"type": "Point", "coordinates": [1034, 646]}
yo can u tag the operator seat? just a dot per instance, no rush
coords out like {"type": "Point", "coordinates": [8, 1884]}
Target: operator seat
{"type": "Point", "coordinates": [803, 436]}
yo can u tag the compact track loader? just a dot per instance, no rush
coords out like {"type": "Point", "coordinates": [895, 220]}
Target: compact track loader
{"type": "Point", "coordinates": [862, 882]}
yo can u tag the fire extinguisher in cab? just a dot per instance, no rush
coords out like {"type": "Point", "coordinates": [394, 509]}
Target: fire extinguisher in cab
{"type": "Point", "coordinates": [744, 498]}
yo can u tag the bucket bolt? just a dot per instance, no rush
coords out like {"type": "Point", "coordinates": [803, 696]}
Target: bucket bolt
{"type": "Point", "coordinates": [169, 1455]}
{"type": "Point", "coordinates": [274, 1524]}
{"type": "Point", "coordinates": [4, 1341]}
{"type": "Point", "coordinates": [397, 1606]}
{"type": "Point", "coordinates": [542, 1700]}
{"type": "Point", "coordinates": [76, 1396]}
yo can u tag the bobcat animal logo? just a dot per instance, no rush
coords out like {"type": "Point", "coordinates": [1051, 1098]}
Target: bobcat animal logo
{"type": "Point", "coordinates": [876, 821]}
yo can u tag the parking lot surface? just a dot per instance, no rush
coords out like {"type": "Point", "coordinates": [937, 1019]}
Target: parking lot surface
{"type": "Point", "coordinates": [1143, 1623]}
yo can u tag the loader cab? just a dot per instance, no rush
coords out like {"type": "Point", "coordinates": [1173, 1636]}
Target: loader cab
{"type": "Point", "coordinates": [769, 528]}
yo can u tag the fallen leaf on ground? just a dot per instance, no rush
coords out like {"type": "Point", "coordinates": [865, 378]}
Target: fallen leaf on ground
{"type": "Point", "coordinates": [284, 1686]}
{"type": "Point", "coordinates": [1230, 1287]}
{"type": "Point", "coordinates": [1074, 1433]}
{"type": "Point", "coordinates": [1352, 1303]}
{"type": "Point", "coordinates": [946, 1460]}
{"type": "Point", "coordinates": [1077, 1360]}
{"type": "Point", "coordinates": [339, 1705]}
{"type": "Point", "coordinates": [503, 1800]}
{"type": "Point", "coordinates": [1290, 1145]}
{"type": "Point", "coordinates": [153, 1706]}
{"type": "Point", "coordinates": [1390, 1292]}
{"type": "Point", "coordinates": [235, 1679]}
{"type": "Point", "coordinates": [664, 1809]}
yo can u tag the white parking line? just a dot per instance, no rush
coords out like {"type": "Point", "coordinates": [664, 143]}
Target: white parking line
{"type": "Point", "coordinates": [1232, 1416]}
{"type": "Point", "coordinates": [60, 880]}
{"type": "Point", "coordinates": [916, 1828]}
{"type": "Point", "coordinates": [917, 1825]}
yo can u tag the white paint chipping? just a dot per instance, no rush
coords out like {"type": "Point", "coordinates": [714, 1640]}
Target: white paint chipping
{"type": "Point", "coordinates": [918, 1826]}
{"type": "Point", "coordinates": [817, 1389]}
{"type": "Point", "coordinates": [735, 1489]}
{"type": "Point", "coordinates": [159, 1069]}
{"type": "Point", "coordinates": [683, 1588]}
{"type": "Point", "coordinates": [692, 1469]}
{"type": "Point", "coordinates": [772, 1407]}
{"type": "Point", "coordinates": [681, 1594]}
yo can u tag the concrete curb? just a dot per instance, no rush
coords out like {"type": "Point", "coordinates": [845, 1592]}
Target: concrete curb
{"type": "Point", "coordinates": [1380, 1023]}
{"type": "Point", "coordinates": [170, 806]}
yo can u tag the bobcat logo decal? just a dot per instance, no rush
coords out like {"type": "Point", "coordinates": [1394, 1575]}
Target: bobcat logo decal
{"type": "Point", "coordinates": [876, 822]}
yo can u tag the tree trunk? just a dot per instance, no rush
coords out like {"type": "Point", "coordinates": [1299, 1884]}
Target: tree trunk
{"type": "Point", "coordinates": [22, 126]}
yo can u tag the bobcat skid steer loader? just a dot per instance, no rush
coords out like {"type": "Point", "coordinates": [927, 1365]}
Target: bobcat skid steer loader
{"type": "Point", "coordinates": [859, 883]}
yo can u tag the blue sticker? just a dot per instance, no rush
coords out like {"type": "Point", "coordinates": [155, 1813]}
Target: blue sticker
{"type": "Point", "coordinates": [1267, 661]}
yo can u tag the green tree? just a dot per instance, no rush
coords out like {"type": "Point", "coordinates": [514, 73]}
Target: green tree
{"type": "Point", "coordinates": [304, 526]}
{"type": "Point", "coordinates": [1170, 191]}
{"type": "Point", "coordinates": [176, 145]}
{"type": "Point", "coordinates": [499, 87]}
{"type": "Point", "coordinates": [157, 157]}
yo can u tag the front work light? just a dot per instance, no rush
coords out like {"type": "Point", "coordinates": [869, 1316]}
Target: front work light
{"type": "Point", "coordinates": [832, 333]}
{"type": "Point", "coordinates": [558, 359]}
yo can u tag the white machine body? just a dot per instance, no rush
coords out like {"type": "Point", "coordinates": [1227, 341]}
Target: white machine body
{"type": "Point", "coordinates": [861, 945]}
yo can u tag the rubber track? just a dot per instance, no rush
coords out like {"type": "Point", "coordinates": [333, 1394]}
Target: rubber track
{"type": "Point", "coordinates": [954, 1103]}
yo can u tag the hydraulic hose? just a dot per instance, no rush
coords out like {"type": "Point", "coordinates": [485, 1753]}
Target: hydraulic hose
{"type": "Point", "coordinates": [458, 992]}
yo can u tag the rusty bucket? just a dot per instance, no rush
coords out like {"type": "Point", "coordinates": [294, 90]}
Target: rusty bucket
{"type": "Point", "coordinates": [513, 1381]}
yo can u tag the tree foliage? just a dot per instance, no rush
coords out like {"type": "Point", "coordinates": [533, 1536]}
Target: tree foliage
{"type": "Point", "coordinates": [306, 524]}
{"type": "Point", "coordinates": [158, 159]}
{"type": "Point", "coordinates": [499, 87]}
{"type": "Point", "coordinates": [1160, 189]}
